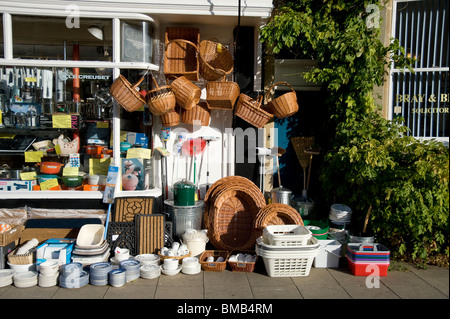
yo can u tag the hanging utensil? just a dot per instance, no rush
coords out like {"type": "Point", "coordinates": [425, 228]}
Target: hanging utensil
{"type": "Point", "coordinates": [208, 139]}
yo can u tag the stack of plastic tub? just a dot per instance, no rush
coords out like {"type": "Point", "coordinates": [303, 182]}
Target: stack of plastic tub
{"type": "Point", "coordinates": [366, 259]}
{"type": "Point", "coordinates": [287, 250]}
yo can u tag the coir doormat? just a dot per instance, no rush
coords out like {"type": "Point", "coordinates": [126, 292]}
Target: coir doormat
{"type": "Point", "coordinates": [126, 208]}
{"type": "Point", "coordinates": [149, 233]}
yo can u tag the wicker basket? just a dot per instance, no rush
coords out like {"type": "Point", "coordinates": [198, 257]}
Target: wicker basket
{"type": "Point", "coordinates": [180, 55]}
{"type": "Point", "coordinates": [161, 100]}
{"type": "Point", "coordinates": [126, 94]}
{"type": "Point", "coordinates": [250, 111]}
{"type": "Point", "coordinates": [199, 114]}
{"type": "Point", "coordinates": [162, 257]}
{"type": "Point", "coordinates": [276, 214]}
{"type": "Point", "coordinates": [215, 60]}
{"type": "Point", "coordinates": [284, 105]}
{"type": "Point", "coordinates": [240, 266]}
{"type": "Point", "coordinates": [213, 266]}
{"type": "Point", "coordinates": [23, 259]}
{"type": "Point", "coordinates": [187, 93]}
{"type": "Point", "coordinates": [222, 95]}
{"type": "Point", "coordinates": [171, 118]}
{"type": "Point", "coordinates": [230, 212]}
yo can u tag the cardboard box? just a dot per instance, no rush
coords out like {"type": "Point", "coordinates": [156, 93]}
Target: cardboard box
{"type": "Point", "coordinates": [137, 139]}
{"type": "Point", "coordinates": [59, 249]}
{"type": "Point", "coordinates": [17, 185]}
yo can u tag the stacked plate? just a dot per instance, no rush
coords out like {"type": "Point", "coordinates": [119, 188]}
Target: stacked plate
{"type": "Point", "coordinates": [148, 259]}
{"type": "Point", "coordinates": [117, 277]}
{"type": "Point", "coordinates": [48, 273]}
{"type": "Point", "coordinates": [191, 266]}
{"type": "Point", "coordinates": [6, 277]}
{"type": "Point", "coordinates": [88, 255]}
{"type": "Point", "coordinates": [98, 273]}
{"type": "Point", "coordinates": [73, 276]}
{"type": "Point", "coordinates": [340, 214]}
{"type": "Point", "coordinates": [132, 268]}
{"type": "Point", "coordinates": [150, 271]}
{"type": "Point", "coordinates": [25, 279]}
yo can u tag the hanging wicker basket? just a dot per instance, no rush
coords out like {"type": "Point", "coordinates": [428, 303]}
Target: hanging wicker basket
{"type": "Point", "coordinates": [222, 95]}
{"type": "Point", "coordinates": [199, 114]}
{"type": "Point", "coordinates": [215, 60]}
{"type": "Point", "coordinates": [284, 105]}
{"type": "Point", "coordinates": [171, 118]}
{"type": "Point", "coordinates": [187, 94]}
{"type": "Point", "coordinates": [161, 99]}
{"type": "Point", "coordinates": [250, 111]}
{"type": "Point", "coordinates": [181, 52]}
{"type": "Point", "coordinates": [126, 94]}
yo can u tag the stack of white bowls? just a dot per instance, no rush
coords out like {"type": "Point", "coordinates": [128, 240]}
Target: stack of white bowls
{"type": "Point", "coordinates": [6, 277]}
{"type": "Point", "coordinates": [73, 276]}
{"type": "Point", "coordinates": [148, 259]}
{"type": "Point", "coordinates": [117, 277]}
{"type": "Point", "coordinates": [132, 268]}
{"type": "Point", "coordinates": [170, 267]}
{"type": "Point", "coordinates": [98, 273]}
{"type": "Point", "coordinates": [25, 279]}
{"type": "Point", "coordinates": [48, 273]}
{"type": "Point", "coordinates": [150, 271]}
{"type": "Point", "coordinates": [191, 266]}
{"type": "Point", "coordinates": [340, 214]}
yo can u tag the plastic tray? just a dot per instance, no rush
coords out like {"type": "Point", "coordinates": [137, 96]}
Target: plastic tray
{"type": "Point", "coordinates": [311, 244]}
{"type": "Point", "coordinates": [91, 235]}
{"type": "Point", "coordinates": [368, 253]}
{"type": "Point", "coordinates": [287, 235]}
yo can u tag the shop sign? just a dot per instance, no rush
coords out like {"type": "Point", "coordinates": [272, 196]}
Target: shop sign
{"type": "Point", "coordinates": [66, 75]}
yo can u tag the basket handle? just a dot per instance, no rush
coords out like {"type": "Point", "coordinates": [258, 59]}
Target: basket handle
{"type": "Point", "coordinates": [180, 40]}
{"type": "Point", "coordinates": [156, 83]}
{"type": "Point", "coordinates": [140, 81]}
{"type": "Point", "coordinates": [281, 83]}
{"type": "Point", "coordinates": [374, 246]}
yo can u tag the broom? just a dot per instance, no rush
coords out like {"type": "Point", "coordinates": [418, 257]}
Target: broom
{"type": "Point", "coordinates": [300, 145]}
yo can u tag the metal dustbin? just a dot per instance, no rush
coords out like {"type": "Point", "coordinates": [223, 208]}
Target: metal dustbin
{"type": "Point", "coordinates": [281, 195]}
{"type": "Point", "coordinates": [185, 217]}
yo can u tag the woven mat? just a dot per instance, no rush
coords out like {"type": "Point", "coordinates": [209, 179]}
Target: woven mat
{"type": "Point", "coordinates": [150, 230]}
{"type": "Point", "coordinates": [127, 208]}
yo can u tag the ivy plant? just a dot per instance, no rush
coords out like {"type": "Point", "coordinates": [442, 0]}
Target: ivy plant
{"type": "Point", "coordinates": [371, 162]}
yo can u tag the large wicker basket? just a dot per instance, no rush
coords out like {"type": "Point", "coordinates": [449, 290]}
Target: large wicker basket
{"type": "Point", "coordinates": [181, 52]}
{"type": "Point", "coordinates": [187, 93]}
{"type": "Point", "coordinates": [284, 105]}
{"type": "Point", "coordinates": [199, 114]}
{"type": "Point", "coordinates": [126, 94]}
{"type": "Point", "coordinates": [171, 118]}
{"type": "Point", "coordinates": [232, 207]}
{"type": "Point", "coordinates": [215, 60]}
{"type": "Point", "coordinates": [161, 100]}
{"type": "Point", "coordinates": [250, 111]}
{"type": "Point", "coordinates": [222, 94]}
{"type": "Point", "coordinates": [276, 214]}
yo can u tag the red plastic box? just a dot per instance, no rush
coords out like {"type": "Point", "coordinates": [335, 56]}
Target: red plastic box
{"type": "Point", "coordinates": [360, 269]}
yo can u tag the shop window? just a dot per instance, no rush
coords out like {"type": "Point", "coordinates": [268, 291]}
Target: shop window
{"type": "Point", "coordinates": [137, 41]}
{"type": "Point", "coordinates": [2, 53]}
{"type": "Point", "coordinates": [57, 38]}
{"type": "Point", "coordinates": [422, 97]}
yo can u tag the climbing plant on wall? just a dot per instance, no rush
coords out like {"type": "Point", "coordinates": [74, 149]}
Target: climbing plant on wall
{"type": "Point", "coordinates": [371, 162]}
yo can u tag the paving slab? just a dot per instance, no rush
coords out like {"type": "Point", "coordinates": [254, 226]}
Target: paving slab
{"type": "Point", "coordinates": [137, 289]}
{"type": "Point", "coordinates": [320, 284]}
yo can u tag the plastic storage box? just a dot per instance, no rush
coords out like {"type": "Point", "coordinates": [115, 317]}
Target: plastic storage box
{"type": "Point", "coordinates": [367, 269]}
{"type": "Point", "coordinates": [287, 235]}
{"type": "Point", "coordinates": [368, 253]}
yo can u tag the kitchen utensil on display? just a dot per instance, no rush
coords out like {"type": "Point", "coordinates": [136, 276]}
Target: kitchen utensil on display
{"type": "Point", "coordinates": [263, 154]}
{"type": "Point", "coordinates": [73, 181]}
{"type": "Point", "coordinates": [49, 167]}
{"type": "Point", "coordinates": [194, 147]}
{"type": "Point", "coordinates": [208, 139]}
{"type": "Point", "coordinates": [177, 148]}
{"type": "Point", "coordinates": [165, 137]}
{"type": "Point", "coordinates": [184, 193]}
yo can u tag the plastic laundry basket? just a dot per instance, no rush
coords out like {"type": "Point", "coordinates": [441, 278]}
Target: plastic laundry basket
{"type": "Point", "coordinates": [287, 235]}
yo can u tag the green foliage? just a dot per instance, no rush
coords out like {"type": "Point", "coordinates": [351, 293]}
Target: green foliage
{"type": "Point", "coordinates": [372, 161]}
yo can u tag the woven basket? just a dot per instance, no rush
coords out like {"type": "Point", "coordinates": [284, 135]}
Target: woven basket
{"type": "Point", "coordinates": [215, 60]}
{"type": "Point", "coordinates": [180, 55]}
{"type": "Point", "coordinates": [162, 257]}
{"type": "Point", "coordinates": [126, 94]}
{"type": "Point", "coordinates": [240, 266]}
{"type": "Point", "coordinates": [231, 209]}
{"type": "Point", "coordinates": [23, 259]}
{"type": "Point", "coordinates": [161, 100]}
{"type": "Point", "coordinates": [213, 266]}
{"type": "Point", "coordinates": [199, 114]}
{"type": "Point", "coordinates": [222, 95]}
{"type": "Point", "coordinates": [276, 214]}
{"type": "Point", "coordinates": [250, 111]}
{"type": "Point", "coordinates": [187, 93]}
{"type": "Point", "coordinates": [284, 105]}
{"type": "Point", "coordinates": [171, 118]}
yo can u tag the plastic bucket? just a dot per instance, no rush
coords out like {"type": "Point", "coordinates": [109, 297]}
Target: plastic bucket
{"type": "Point", "coordinates": [318, 228]}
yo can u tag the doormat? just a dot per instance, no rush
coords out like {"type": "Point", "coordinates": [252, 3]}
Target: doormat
{"type": "Point", "coordinates": [123, 235]}
{"type": "Point", "coordinates": [127, 208]}
{"type": "Point", "coordinates": [149, 233]}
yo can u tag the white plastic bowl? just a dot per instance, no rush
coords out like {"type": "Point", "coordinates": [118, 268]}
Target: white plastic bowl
{"type": "Point", "coordinates": [91, 235]}
{"type": "Point", "coordinates": [22, 268]}
{"type": "Point", "coordinates": [49, 267]}
{"type": "Point", "coordinates": [148, 259]}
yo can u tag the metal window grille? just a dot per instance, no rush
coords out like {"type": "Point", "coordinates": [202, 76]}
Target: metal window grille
{"type": "Point", "coordinates": [422, 97]}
